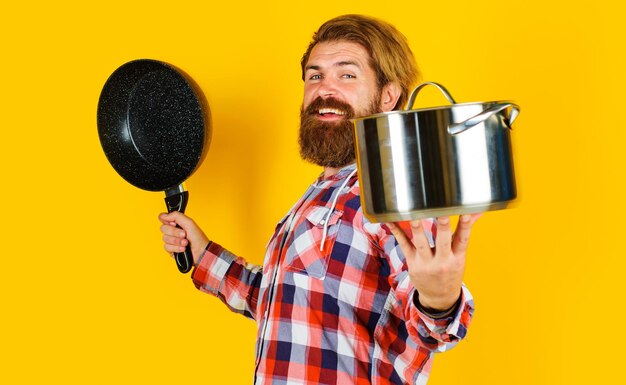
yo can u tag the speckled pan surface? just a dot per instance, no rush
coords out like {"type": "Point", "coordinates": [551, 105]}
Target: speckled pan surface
{"type": "Point", "coordinates": [153, 123]}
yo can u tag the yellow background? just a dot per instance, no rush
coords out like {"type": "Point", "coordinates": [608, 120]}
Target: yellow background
{"type": "Point", "coordinates": [89, 296]}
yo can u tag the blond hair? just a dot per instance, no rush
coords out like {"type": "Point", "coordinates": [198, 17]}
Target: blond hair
{"type": "Point", "coordinates": [390, 55]}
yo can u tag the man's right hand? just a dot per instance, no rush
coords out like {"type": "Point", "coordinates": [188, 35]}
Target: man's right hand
{"type": "Point", "coordinates": [176, 239]}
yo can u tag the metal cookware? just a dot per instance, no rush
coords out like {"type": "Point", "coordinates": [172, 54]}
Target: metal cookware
{"type": "Point", "coordinates": [437, 161]}
{"type": "Point", "coordinates": [154, 127]}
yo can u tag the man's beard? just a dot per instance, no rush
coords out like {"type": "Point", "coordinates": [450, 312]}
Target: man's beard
{"type": "Point", "coordinates": [330, 144]}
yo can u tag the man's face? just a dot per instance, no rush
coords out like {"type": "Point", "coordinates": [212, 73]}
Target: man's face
{"type": "Point", "coordinates": [339, 84]}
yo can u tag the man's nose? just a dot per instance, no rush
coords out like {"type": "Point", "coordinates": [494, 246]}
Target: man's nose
{"type": "Point", "coordinates": [327, 88]}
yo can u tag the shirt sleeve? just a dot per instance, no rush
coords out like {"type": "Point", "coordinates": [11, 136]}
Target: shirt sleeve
{"type": "Point", "coordinates": [437, 335]}
{"type": "Point", "coordinates": [230, 278]}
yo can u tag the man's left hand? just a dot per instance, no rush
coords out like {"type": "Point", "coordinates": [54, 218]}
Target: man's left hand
{"type": "Point", "coordinates": [436, 273]}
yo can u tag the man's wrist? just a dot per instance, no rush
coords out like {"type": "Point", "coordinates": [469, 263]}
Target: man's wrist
{"type": "Point", "coordinates": [437, 313]}
{"type": "Point", "coordinates": [198, 257]}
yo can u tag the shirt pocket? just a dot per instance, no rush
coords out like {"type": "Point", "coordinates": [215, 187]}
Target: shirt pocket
{"type": "Point", "coordinates": [305, 253]}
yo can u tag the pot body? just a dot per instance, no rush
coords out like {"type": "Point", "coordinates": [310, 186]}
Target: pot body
{"type": "Point", "coordinates": [411, 166]}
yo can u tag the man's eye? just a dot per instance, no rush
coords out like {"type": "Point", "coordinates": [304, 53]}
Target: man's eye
{"type": "Point", "coordinates": [315, 77]}
{"type": "Point", "coordinates": [349, 76]}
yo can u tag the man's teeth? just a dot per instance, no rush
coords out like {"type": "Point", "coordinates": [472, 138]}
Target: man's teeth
{"type": "Point", "coordinates": [324, 111]}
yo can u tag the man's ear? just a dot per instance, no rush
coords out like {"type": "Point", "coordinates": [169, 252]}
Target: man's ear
{"type": "Point", "coordinates": [389, 96]}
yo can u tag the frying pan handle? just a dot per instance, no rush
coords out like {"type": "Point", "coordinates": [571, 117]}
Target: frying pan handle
{"type": "Point", "coordinates": [178, 202]}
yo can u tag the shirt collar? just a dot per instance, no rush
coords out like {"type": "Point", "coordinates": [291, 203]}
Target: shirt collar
{"type": "Point", "coordinates": [341, 174]}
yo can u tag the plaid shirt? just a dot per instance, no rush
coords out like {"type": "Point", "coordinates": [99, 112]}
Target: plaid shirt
{"type": "Point", "coordinates": [340, 315]}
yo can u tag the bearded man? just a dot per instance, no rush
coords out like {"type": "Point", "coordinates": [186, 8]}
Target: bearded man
{"type": "Point", "coordinates": [341, 300]}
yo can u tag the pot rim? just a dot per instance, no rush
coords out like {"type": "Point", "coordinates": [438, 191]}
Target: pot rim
{"type": "Point", "coordinates": [427, 109]}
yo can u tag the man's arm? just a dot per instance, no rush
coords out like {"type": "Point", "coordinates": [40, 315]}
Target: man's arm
{"type": "Point", "coordinates": [217, 271]}
{"type": "Point", "coordinates": [230, 278]}
{"type": "Point", "coordinates": [435, 328]}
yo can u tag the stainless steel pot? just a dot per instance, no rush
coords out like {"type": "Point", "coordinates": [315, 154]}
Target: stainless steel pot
{"type": "Point", "coordinates": [436, 161]}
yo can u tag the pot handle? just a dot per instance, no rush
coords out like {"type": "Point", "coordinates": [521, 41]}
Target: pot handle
{"type": "Point", "coordinates": [474, 120]}
{"type": "Point", "coordinates": [489, 112]}
{"type": "Point", "coordinates": [417, 89]}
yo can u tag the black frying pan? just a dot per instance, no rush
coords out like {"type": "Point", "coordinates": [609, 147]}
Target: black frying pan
{"type": "Point", "coordinates": [154, 127]}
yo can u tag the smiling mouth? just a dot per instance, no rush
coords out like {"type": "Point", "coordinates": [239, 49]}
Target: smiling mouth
{"type": "Point", "coordinates": [330, 111]}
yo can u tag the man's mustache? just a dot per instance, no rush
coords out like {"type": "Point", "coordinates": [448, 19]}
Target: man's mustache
{"type": "Point", "coordinates": [319, 103]}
